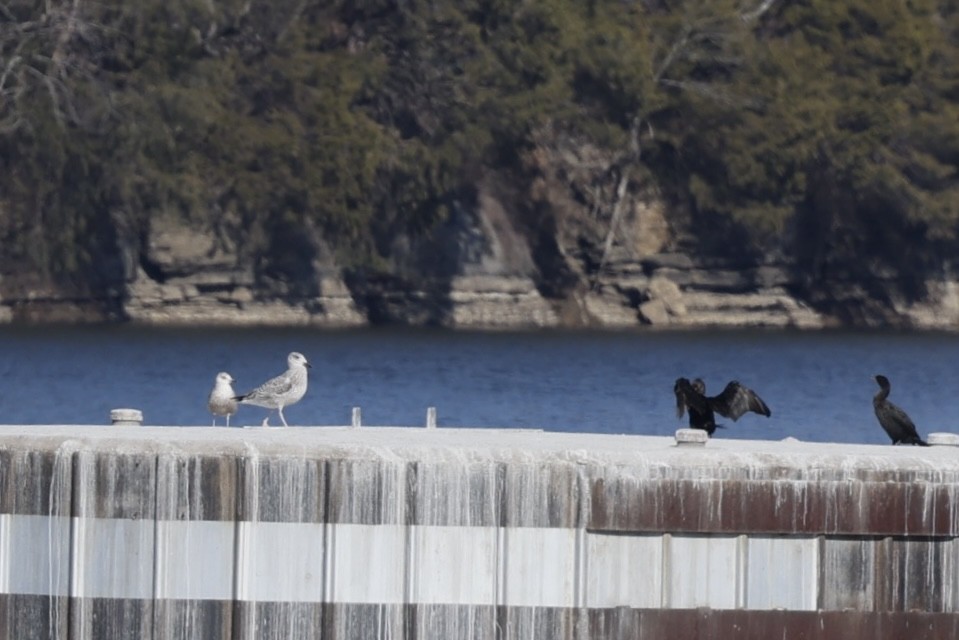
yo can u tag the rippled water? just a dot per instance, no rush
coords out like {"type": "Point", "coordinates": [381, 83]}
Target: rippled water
{"type": "Point", "coordinates": [818, 385]}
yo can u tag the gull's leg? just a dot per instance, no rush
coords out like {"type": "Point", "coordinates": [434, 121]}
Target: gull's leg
{"type": "Point", "coordinates": [280, 409]}
{"type": "Point", "coordinates": [214, 421]}
{"type": "Point", "coordinates": [266, 421]}
{"type": "Point", "coordinates": [228, 419]}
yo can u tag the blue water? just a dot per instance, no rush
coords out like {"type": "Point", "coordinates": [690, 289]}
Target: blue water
{"type": "Point", "coordinates": [818, 385]}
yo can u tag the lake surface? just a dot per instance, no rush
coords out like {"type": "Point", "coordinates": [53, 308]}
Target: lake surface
{"type": "Point", "coordinates": [818, 385]}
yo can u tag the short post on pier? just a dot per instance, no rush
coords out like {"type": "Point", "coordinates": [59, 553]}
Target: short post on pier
{"type": "Point", "coordinates": [691, 438]}
{"type": "Point", "coordinates": [943, 439]}
{"type": "Point", "coordinates": [126, 417]}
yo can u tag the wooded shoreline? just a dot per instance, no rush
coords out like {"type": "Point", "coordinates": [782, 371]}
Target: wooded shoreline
{"type": "Point", "coordinates": [480, 164]}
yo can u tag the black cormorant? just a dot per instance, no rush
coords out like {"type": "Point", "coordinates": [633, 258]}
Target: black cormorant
{"type": "Point", "coordinates": [691, 399]}
{"type": "Point", "coordinates": [893, 419]}
{"type": "Point", "coordinates": [733, 402]}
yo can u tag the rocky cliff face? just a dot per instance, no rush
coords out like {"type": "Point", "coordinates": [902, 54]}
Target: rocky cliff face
{"type": "Point", "coordinates": [541, 256]}
{"type": "Point", "coordinates": [195, 282]}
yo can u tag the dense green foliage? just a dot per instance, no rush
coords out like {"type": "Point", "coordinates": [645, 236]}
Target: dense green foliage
{"type": "Point", "coordinates": [823, 131]}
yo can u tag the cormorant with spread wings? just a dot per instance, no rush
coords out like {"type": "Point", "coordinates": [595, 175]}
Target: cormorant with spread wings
{"type": "Point", "coordinates": [733, 402]}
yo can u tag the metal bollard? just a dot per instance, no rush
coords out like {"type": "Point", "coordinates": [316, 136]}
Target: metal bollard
{"type": "Point", "coordinates": [431, 418]}
{"type": "Point", "coordinates": [943, 439]}
{"type": "Point", "coordinates": [126, 417]}
{"type": "Point", "coordinates": [691, 438]}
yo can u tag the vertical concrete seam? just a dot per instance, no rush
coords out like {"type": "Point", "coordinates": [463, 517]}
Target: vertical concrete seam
{"type": "Point", "coordinates": [329, 533]}
{"type": "Point", "coordinates": [76, 529]}
{"type": "Point", "coordinates": [581, 627]}
{"type": "Point", "coordinates": [666, 601]}
{"type": "Point", "coordinates": [820, 599]}
{"type": "Point", "coordinates": [409, 565]}
{"type": "Point", "coordinates": [409, 551]}
{"type": "Point", "coordinates": [581, 553]}
{"type": "Point", "coordinates": [236, 613]}
{"type": "Point", "coordinates": [580, 578]}
{"type": "Point", "coordinates": [500, 615]}
{"type": "Point", "coordinates": [5, 553]}
{"type": "Point", "coordinates": [55, 511]}
{"type": "Point", "coordinates": [74, 609]}
{"type": "Point", "coordinates": [742, 570]}
{"type": "Point", "coordinates": [156, 544]}
{"type": "Point", "coordinates": [499, 597]}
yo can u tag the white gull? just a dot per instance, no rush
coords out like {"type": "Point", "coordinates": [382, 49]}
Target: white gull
{"type": "Point", "coordinates": [221, 402]}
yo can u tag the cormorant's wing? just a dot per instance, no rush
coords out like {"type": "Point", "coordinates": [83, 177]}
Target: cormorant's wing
{"type": "Point", "coordinates": [898, 424]}
{"type": "Point", "coordinates": [735, 400]}
{"type": "Point", "coordinates": [687, 397]}
{"type": "Point", "coordinates": [902, 419]}
{"type": "Point", "coordinates": [678, 389]}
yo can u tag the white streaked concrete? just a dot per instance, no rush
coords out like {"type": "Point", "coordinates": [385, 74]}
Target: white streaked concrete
{"type": "Point", "coordinates": [624, 570]}
{"type": "Point", "coordinates": [782, 572]}
{"type": "Point", "coordinates": [182, 547]}
{"type": "Point", "coordinates": [380, 550]}
{"type": "Point", "coordinates": [392, 564]}
{"type": "Point", "coordinates": [34, 555]}
{"type": "Point", "coordinates": [702, 571]}
{"type": "Point", "coordinates": [502, 444]}
{"type": "Point", "coordinates": [280, 561]}
{"type": "Point", "coordinates": [112, 558]}
{"type": "Point", "coordinates": [453, 565]}
{"type": "Point", "coordinates": [540, 567]}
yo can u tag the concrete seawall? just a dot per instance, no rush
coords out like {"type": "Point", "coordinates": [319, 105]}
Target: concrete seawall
{"type": "Point", "coordinates": [129, 532]}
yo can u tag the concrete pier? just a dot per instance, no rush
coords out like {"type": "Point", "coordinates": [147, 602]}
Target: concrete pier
{"type": "Point", "coordinates": [413, 533]}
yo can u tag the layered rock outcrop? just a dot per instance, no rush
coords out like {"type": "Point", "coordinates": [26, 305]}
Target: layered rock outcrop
{"type": "Point", "coordinates": [486, 278]}
{"type": "Point", "coordinates": [492, 265]}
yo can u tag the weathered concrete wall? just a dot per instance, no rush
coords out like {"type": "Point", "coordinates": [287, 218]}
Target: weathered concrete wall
{"type": "Point", "coordinates": [126, 532]}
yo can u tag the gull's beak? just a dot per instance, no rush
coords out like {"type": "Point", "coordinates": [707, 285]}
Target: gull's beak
{"type": "Point", "coordinates": [308, 365]}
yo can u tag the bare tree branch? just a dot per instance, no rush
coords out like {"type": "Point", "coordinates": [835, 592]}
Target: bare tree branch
{"type": "Point", "coordinates": [289, 22]}
{"type": "Point", "coordinates": [613, 224]}
{"type": "Point", "coordinates": [6, 12]}
{"type": "Point", "coordinates": [756, 13]}
{"type": "Point", "coordinates": [66, 34]}
{"type": "Point", "coordinates": [12, 63]}
{"type": "Point", "coordinates": [674, 51]}
{"type": "Point", "coordinates": [713, 92]}
{"type": "Point", "coordinates": [49, 52]}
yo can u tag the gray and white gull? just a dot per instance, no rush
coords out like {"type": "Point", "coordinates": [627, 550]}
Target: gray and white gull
{"type": "Point", "coordinates": [283, 390]}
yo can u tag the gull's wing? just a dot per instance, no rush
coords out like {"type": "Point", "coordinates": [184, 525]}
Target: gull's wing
{"type": "Point", "coordinates": [735, 400]}
{"type": "Point", "coordinates": [274, 387]}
